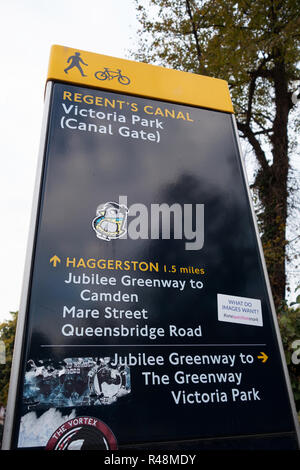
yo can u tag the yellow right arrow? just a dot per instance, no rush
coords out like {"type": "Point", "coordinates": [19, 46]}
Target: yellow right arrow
{"type": "Point", "coordinates": [55, 259]}
{"type": "Point", "coordinates": [263, 357]}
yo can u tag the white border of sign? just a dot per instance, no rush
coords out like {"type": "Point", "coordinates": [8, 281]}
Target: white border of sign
{"type": "Point", "coordinates": [266, 276]}
{"type": "Point", "coordinates": [21, 323]}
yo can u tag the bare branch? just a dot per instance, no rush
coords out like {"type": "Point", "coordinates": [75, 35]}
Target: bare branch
{"type": "Point", "coordinates": [194, 29]}
{"type": "Point", "coordinates": [260, 154]}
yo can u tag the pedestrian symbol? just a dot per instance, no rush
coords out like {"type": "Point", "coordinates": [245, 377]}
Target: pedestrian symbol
{"type": "Point", "coordinates": [75, 61]}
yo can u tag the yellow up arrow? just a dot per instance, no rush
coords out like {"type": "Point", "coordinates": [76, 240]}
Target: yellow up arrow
{"type": "Point", "coordinates": [55, 259]}
{"type": "Point", "coordinates": [263, 357]}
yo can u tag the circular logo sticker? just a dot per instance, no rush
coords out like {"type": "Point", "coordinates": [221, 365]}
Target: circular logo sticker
{"type": "Point", "coordinates": [82, 433]}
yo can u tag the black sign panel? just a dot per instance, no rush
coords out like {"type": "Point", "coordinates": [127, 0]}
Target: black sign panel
{"type": "Point", "coordinates": [148, 317]}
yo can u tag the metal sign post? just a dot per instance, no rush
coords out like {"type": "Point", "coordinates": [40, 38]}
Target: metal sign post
{"type": "Point", "coordinates": [147, 319]}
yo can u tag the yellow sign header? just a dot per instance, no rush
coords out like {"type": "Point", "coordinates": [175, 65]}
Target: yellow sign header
{"type": "Point", "coordinates": [135, 78]}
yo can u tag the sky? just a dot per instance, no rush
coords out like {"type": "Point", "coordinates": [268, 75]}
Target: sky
{"type": "Point", "coordinates": [27, 31]}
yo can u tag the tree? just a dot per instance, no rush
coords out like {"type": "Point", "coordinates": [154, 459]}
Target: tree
{"type": "Point", "coordinates": [289, 324]}
{"type": "Point", "coordinates": [255, 47]}
{"type": "Point", "coordinates": [7, 336]}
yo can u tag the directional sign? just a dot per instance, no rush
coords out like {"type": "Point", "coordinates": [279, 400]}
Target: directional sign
{"type": "Point", "coordinates": [54, 260]}
{"type": "Point", "coordinates": [147, 319]}
{"type": "Point", "coordinates": [263, 357]}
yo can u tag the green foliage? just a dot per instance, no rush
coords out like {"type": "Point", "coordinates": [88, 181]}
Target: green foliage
{"type": "Point", "coordinates": [289, 324]}
{"type": "Point", "coordinates": [7, 335]}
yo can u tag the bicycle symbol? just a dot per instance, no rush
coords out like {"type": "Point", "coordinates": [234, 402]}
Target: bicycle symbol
{"type": "Point", "coordinates": [107, 74]}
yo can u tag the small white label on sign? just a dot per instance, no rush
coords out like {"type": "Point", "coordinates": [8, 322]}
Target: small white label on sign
{"type": "Point", "coordinates": [239, 310]}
